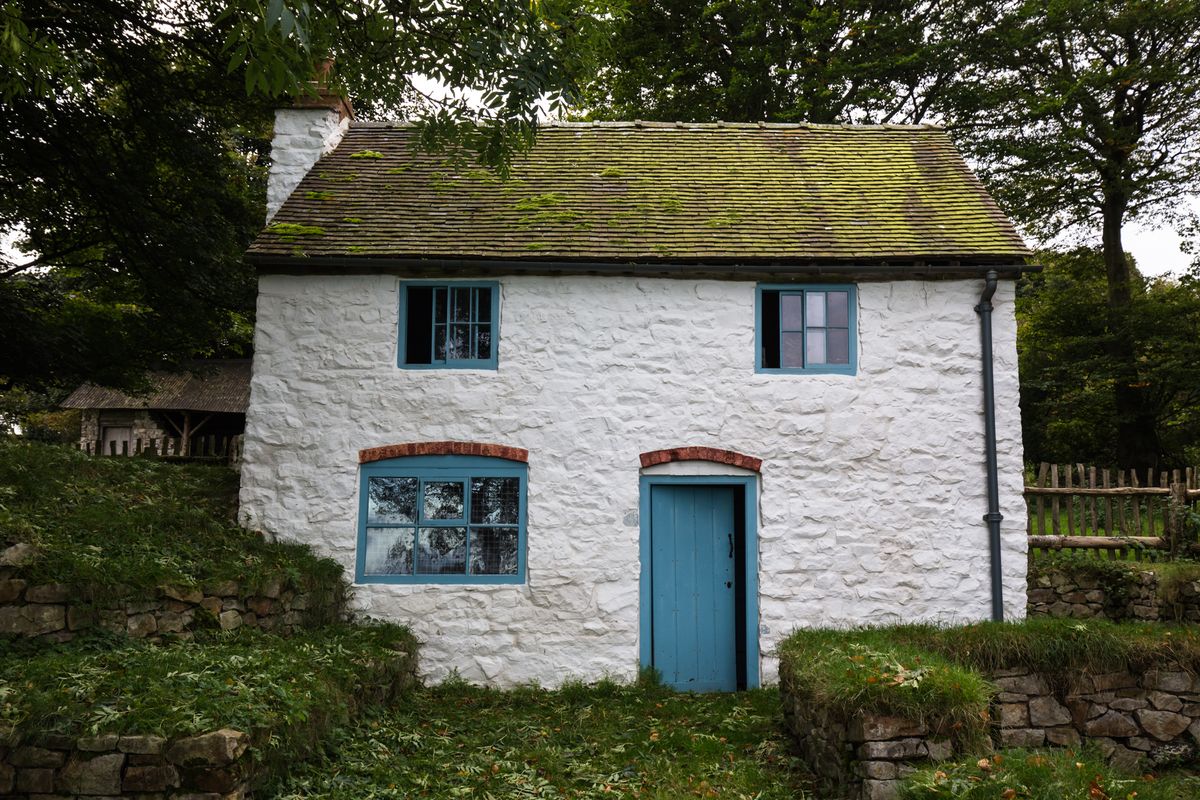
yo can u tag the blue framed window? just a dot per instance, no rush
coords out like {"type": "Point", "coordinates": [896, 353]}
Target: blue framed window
{"type": "Point", "coordinates": [806, 329]}
{"type": "Point", "coordinates": [449, 325]}
{"type": "Point", "coordinates": [442, 519]}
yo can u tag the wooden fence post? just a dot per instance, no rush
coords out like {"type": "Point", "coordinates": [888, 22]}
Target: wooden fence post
{"type": "Point", "coordinates": [1177, 505]}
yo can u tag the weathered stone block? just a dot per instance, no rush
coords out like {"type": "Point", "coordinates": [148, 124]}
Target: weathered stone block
{"type": "Point", "coordinates": [184, 595]}
{"type": "Point", "coordinates": [1022, 737]}
{"type": "Point", "coordinates": [47, 593]}
{"type": "Point", "coordinates": [10, 589]}
{"type": "Point", "coordinates": [95, 775]}
{"type": "Point", "coordinates": [222, 589]}
{"type": "Point", "coordinates": [880, 790]}
{"type": "Point", "coordinates": [1165, 702]}
{"type": "Point", "coordinates": [1046, 712]}
{"type": "Point", "coordinates": [150, 778]}
{"type": "Point", "coordinates": [7, 779]}
{"type": "Point", "coordinates": [32, 620]}
{"type": "Point", "coordinates": [98, 744]}
{"type": "Point", "coordinates": [891, 751]}
{"type": "Point", "coordinates": [1162, 725]}
{"type": "Point", "coordinates": [879, 770]}
{"type": "Point", "coordinates": [1112, 723]}
{"type": "Point", "coordinates": [217, 748]}
{"type": "Point", "coordinates": [1013, 715]}
{"type": "Point", "coordinates": [35, 781]}
{"type": "Point", "coordinates": [1168, 681]}
{"type": "Point", "coordinates": [939, 750]}
{"type": "Point", "coordinates": [874, 728]}
{"type": "Point", "coordinates": [18, 555]}
{"type": "Point", "coordinates": [140, 626]}
{"type": "Point", "coordinates": [1063, 736]}
{"type": "Point", "coordinates": [1128, 704]}
{"type": "Point", "coordinates": [1112, 680]}
{"type": "Point", "coordinates": [147, 745]}
{"type": "Point", "coordinates": [36, 757]}
{"type": "Point", "coordinates": [230, 620]}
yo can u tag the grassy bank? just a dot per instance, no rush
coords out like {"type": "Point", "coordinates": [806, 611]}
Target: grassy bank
{"type": "Point", "coordinates": [133, 524]}
{"type": "Point", "coordinates": [601, 741]}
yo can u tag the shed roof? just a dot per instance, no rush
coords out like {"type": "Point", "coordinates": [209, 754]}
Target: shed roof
{"type": "Point", "coordinates": [215, 386]}
{"type": "Point", "coordinates": [645, 192]}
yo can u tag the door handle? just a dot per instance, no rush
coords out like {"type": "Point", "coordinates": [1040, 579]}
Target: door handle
{"type": "Point", "coordinates": [731, 545]}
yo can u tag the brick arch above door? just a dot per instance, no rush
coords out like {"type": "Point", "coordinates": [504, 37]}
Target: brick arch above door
{"type": "Point", "coordinates": [713, 454]}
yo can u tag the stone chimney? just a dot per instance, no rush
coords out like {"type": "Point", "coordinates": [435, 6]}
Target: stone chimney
{"type": "Point", "coordinates": [311, 127]}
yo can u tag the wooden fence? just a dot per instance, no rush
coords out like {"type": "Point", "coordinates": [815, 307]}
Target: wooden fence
{"type": "Point", "coordinates": [1073, 507]}
{"type": "Point", "coordinates": [227, 449]}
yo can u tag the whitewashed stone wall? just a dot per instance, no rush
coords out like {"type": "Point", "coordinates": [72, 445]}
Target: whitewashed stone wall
{"type": "Point", "coordinates": [302, 136]}
{"type": "Point", "coordinates": [872, 486]}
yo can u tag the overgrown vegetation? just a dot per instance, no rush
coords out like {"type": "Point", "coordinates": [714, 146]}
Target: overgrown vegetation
{"type": "Point", "coordinates": [1120, 577]}
{"type": "Point", "coordinates": [137, 524]}
{"type": "Point", "coordinates": [1043, 775]}
{"type": "Point", "coordinates": [578, 742]}
{"type": "Point", "coordinates": [247, 680]}
{"type": "Point", "coordinates": [935, 673]}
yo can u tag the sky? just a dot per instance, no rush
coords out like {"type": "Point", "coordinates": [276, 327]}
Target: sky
{"type": "Point", "coordinates": [1156, 251]}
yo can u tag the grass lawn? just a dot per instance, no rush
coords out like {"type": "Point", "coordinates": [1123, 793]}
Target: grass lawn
{"type": "Point", "coordinates": [600, 741]}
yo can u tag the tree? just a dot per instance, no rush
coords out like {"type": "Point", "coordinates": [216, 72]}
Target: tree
{"type": "Point", "coordinates": [1068, 405]}
{"type": "Point", "coordinates": [135, 138]}
{"type": "Point", "coordinates": [1085, 114]}
{"type": "Point", "coordinates": [765, 60]}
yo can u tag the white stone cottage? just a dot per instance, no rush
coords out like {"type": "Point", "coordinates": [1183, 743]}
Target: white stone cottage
{"type": "Point", "coordinates": [668, 393]}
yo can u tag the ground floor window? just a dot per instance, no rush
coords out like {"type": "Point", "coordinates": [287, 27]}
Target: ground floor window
{"type": "Point", "coordinates": [442, 519]}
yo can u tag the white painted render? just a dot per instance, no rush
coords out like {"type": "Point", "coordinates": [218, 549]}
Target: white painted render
{"type": "Point", "coordinates": [872, 486]}
{"type": "Point", "coordinates": [302, 135]}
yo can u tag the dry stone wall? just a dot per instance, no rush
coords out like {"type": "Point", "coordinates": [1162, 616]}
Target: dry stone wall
{"type": "Point", "coordinates": [1079, 593]}
{"type": "Point", "coordinates": [1134, 719]}
{"type": "Point", "coordinates": [211, 766]}
{"type": "Point", "coordinates": [59, 613]}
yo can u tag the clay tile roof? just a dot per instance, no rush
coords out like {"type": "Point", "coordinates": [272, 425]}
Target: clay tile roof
{"type": "Point", "coordinates": [625, 192]}
{"type": "Point", "coordinates": [216, 386]}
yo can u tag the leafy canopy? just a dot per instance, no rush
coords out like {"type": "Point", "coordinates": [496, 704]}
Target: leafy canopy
{"type": "Point", "coordinates": [135, 138]}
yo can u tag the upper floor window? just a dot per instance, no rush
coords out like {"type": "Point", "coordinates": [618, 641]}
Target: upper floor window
{"type": "Point", "coordinates": [806, 329]}
{"type": "Point", "coordinates": [442, 519]}
{"type": "Point", "coordinates": [449, 325]}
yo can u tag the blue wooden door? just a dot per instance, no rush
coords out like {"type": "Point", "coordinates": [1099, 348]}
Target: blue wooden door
{"type": "Point", "coordinates": [693, 627]}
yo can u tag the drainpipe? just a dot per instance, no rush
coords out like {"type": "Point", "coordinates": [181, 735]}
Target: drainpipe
{"type": "Point", "coordinates": [993, 515]}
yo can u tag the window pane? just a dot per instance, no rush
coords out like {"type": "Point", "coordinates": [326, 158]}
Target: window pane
{"type": "Point", "coordinates": [494, 551]}
{"type": "Point", "coordinates": [816, 309]}
{"type": "Point", "coordinates": [389, 551]}
{"type": "Point", "coordinates": [769, 335]}
{"type": "Point", "coordinates": [439, 304]}
{"type": "Point", "coordinates": [815, 351]}
{"type": "Point", "coordinates": [792, 311]}
{"type": "Point", "coordinates": [483, 341]}
{"type": "Point", "coordinates": [839, 315]}
{"type": "Point", "coordinates": [443, 500]}
{"type": "Point", "coordinates": [792, 345]}
{"type": "Point", "coordinates": [442, 551]}
{"type": "Point", "coordinates": [839, 346]}
{"type": "Point", "coordinates": [418, 327]}
{"type": "Point", "coordinates": [495, 501]}
{"type": "Point", "coordinates": [459, 345]}
{"type": "Point", "coordinates": [391, 500]}
{"type": "Point", "coordinates": [483, 304]}
{"type": "Point", "coordinates": [439, 343]}
{"type": "Point", "coordinates": [461, 305]}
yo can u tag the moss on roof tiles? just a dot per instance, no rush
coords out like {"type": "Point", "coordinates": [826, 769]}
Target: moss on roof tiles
{"type": "Point", "coordinates": [619, 192]}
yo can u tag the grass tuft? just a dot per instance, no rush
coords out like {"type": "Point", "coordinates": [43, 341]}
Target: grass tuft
{"type": "Point", "coordinates": [1043, 775]}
